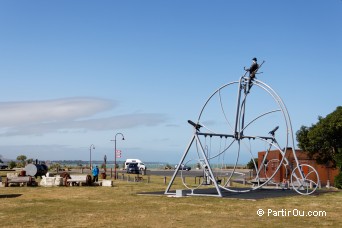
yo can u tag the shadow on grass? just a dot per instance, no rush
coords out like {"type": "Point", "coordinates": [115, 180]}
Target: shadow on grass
{"type": "Point", "coordinates": [10, 195]}
{"type": "Point", "coordinates": [251, 195]}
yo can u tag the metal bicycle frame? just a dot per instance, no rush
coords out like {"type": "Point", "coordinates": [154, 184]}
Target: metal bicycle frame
{"type": "Point", "coordinates": [239, 127]}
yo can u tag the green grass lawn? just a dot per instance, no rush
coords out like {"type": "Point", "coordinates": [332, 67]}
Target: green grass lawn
{"type": "Point", "coordinates": [121, 206]}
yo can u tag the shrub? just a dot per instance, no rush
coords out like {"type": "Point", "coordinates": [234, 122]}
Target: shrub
{"type": "Point", "coordinates": [167, 166]}
{"type": "Point", "coordinates": [54, 166]}
{"type": "Point", "coordinates": [12, 164]}
{"type": "Point", "coordinates": [338, 181]}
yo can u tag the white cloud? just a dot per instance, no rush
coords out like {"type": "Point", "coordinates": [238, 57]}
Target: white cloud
{"type": "Point", "coordinates": [17, 113]}
{"type": "Point", "coordinates": [67, 115]}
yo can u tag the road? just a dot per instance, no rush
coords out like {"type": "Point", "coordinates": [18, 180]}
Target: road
{"type": "Point", "coordinates": [168, 173]}
{"type": "Point", "coordinates": [194, 173]}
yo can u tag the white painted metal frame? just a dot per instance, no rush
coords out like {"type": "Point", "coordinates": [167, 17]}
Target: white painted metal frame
{"type": "Point", "coordinates": [299, 181]}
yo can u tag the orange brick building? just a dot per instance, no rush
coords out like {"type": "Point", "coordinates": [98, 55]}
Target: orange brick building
{"type": "Point", "coordinates": [274, 158]}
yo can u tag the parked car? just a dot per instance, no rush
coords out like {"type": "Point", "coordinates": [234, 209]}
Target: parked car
{"type": "Point", "coordinates": [133, 168]}
{"type": "Point", "coordinates": [3, 166]}
{"type": "Point", "coordinates": [183, 167]}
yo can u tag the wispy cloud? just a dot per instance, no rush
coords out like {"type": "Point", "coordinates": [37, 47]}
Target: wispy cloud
{"type": "Point", "coordinates": [65, 115]}
{"type": "Point", "coordinates": [28, 112]}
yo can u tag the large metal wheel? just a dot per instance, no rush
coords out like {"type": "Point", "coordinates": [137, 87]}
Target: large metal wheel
{"type": "Point", "coordinates": [245, 122]}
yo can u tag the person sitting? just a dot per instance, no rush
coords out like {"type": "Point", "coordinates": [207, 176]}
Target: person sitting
{"type": "Point", "coordinates": [253, 68]}
{"type": "Point", "coordinates": [252, 71]}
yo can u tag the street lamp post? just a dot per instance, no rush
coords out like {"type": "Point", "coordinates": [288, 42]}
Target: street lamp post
{"type": "Point", "coordinates": [91, 147]}
{"type": "Point", "coordinates": [123, 138]}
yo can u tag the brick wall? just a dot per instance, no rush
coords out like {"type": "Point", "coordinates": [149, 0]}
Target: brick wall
{"type": "Point", "coordinates": [274, 157]}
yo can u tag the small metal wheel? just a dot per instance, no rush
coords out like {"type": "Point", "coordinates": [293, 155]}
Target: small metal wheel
{"type": "Point", "coordinates": [304, 179]}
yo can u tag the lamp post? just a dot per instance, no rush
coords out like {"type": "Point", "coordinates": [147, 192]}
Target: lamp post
{"type": "Point", "coordinates": [91, 147]}
{"type": "Point", "coordinates": [123, 138]}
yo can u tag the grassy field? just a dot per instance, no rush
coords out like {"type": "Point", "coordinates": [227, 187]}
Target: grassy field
{"type": "Point", "coordinates": [121, 206]}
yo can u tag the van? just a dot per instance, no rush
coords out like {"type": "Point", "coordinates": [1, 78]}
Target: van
{"type": "Point", "coordinates": [141, 165]}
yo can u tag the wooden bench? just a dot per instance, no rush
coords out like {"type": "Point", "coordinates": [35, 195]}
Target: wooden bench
{"type": "Point", "coordinates": [79, 180]}
{"type": "Point", "coordinates": [26, 180]}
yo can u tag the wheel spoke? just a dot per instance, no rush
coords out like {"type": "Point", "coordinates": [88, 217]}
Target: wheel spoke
{"type": "Point", "coordinates": [223, 112]}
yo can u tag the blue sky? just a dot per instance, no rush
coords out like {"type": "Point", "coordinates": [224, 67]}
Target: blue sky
{"type": "Point", "coordinates": [75, 73]}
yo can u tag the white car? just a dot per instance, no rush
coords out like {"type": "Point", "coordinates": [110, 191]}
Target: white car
{"type": "Point", "coordinates": [141, 165]}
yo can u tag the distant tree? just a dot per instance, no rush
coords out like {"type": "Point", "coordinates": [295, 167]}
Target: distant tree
{"type": "Point", "coordinates": [250, 164]}
{"type": "Point", "coordinates": [12, 164]}
{"type": "Point", "coordinates": [29, 161]}
{"type": "Point", "coordinates": [21, 159]}
{"type": "Point", "coordinates": [323, 140]}
{"type": "Point", "coordinates": [1, 161]}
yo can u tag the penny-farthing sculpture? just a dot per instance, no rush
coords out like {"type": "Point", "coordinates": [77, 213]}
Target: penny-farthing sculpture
{"type": "Point", "coordinates": [238, 120]}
